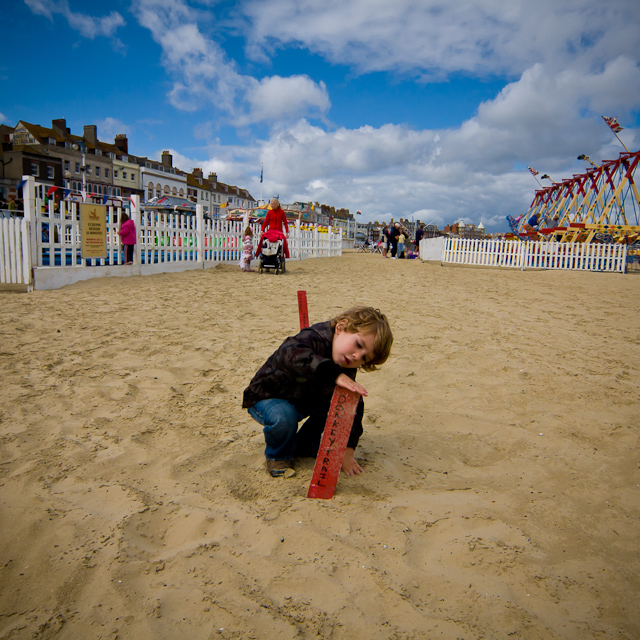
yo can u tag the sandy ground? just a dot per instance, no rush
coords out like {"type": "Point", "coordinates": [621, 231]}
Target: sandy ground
{"type": "Point", "coordinates": [501, 493]}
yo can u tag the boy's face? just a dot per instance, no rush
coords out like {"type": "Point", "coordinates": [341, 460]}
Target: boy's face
{"type": "Point", "coordinates": [352, 350]}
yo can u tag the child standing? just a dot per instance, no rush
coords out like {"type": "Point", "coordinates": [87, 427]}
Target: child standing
{"type": "Point", "coordinates": [127, 233]}
{"type": "Point", "coordinates": [298, 380]}
{"type": "Point", "coordinates": [247, 249]}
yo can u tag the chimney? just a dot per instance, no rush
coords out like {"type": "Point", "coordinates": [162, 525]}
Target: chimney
{"type": "Point", "coordinates": [167, 159]}
{"type": "Point", "coordinates": [197, 172]}
{"type": "Point", "coordinates": [122, 143]}
{"type": "Point", "coordinates": [60, 127]}
{"type": "Point", "coordinates": [91, 134]}
{"type": "Point", "coordinates": [213, 176]}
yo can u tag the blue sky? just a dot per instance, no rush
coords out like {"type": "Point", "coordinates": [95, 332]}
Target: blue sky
{"type": "Point", "coordinates": [413, 108]}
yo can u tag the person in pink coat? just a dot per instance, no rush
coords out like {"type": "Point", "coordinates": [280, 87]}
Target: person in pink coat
{"type": "Point", "coordinates": [127, 233]}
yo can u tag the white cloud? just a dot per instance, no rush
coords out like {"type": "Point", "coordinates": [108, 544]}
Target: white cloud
{"type": "Point", "coordinates": [88, 26]}
{"type": "Point", "coordinates": [204, 76]}
{"type": "Point", "coordinates": [433, 39]}
{"type": "Point", "coordinates": [110, 127]}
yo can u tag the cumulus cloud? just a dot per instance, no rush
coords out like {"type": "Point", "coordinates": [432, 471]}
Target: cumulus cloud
{"type": "Point", "coordinates": [433, 39]}
{"type": "Point", "coordinates": [204, 75]}
{"type": "Point", "coordinates": [88, 26]}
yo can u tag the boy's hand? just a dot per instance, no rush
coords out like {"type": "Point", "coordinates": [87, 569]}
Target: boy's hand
{"type": "Point", "coordinates": [344, 381]}
{"type": "Point", "coordinates": [350, 465]}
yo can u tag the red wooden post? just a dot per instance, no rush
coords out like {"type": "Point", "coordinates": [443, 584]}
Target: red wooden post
{"type": "Point", "coordinates": [336, 429]}
{"type": "Point", "coordinates": [302, 308]}
{"type": "Point", "coordinates": [334, 443]}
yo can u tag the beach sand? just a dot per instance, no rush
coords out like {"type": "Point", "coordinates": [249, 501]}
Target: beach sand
{"type": "Point", "coordinates": [500, 497]}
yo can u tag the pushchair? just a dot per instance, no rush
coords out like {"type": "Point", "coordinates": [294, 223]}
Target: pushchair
{"type": "Point", "coordinates": [272, 255]}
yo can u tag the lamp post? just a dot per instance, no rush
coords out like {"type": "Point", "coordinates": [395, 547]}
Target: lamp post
{"type": "Point", "coordinates": [83, 168]}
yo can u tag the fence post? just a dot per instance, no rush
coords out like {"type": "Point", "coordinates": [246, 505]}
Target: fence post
{"type": "Point", "coordinates": [29, 199]}
{"type": "Point", "coordinates": [200, 234]}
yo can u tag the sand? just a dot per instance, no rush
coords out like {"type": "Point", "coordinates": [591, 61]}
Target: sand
{"type": "Point", "coordinates": [501, 493]}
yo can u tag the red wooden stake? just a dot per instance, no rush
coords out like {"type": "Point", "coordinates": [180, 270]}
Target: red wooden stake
{"type": "Point", "coordinates": [336, 430]}
{"type": "Point", "coordinates": [334, 443]}
{"type": "Point", "coordinates": [302, 308]}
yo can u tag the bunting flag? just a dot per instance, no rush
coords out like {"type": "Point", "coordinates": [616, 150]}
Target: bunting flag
{"type": "Point", "coordinates": [66, 192]}
{"type": "Point", "coordinates": [104, 199]}
{"type": "Point", "coordinates": [533, 171]}
{"type": "Point", "coordinates": [21, 184]}
{"type": "Point", "coordinates": [51, 190]}
{"type": "Point", "coordinates": [613, 124]}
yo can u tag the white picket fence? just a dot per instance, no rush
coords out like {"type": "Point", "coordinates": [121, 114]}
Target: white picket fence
{"type": "Point", "coordinates": [526, 255]}
{"type": "Point", "coordinates": [15, 255]}
{"type": "Point", "coordinates": [49, 252]}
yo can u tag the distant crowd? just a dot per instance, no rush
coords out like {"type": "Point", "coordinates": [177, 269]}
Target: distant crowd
{"type": "Point", "coordinates": [396, 241]}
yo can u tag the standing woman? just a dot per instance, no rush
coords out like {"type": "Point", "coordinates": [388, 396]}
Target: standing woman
{"type": "Point", "coordinates": [127, 233]}
{"type": "Point", "coordinates": [275, 218]}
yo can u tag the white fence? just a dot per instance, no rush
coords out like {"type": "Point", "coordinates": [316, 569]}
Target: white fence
{"type": "Point", "coordinates": [49, 250]}
{"type": "Point", "coordinates": [526, 255]}
{"type": "Point", "coordinates": [15, 261]}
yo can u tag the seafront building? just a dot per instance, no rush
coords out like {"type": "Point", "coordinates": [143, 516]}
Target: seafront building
{"type": "Point", "coordinates": [85, 167]}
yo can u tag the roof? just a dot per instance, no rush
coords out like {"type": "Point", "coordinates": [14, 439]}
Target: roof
{"type": "Point", "coordinates": [171, 202]}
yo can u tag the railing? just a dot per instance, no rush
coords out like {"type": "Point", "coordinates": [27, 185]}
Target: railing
{"type": "Point", "coordinates": [529, 255]}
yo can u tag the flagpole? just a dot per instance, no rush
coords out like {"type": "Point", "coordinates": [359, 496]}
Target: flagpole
{"type": "Point", "coordinates": [620, 141]}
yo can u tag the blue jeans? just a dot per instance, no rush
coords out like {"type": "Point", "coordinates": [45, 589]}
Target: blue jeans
{"type": "Point", "coordinates": [280, 421]}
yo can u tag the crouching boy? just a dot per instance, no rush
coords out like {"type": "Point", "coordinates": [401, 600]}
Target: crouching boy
{"type": "Point", "coordinates": [297, 382]}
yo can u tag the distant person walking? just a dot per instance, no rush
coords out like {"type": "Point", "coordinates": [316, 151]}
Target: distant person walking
{"type": "Point", "coordinates": [384, 238]}
{"type": "Point", "coordinates": [419, 236]}
{"type": "Point", "coordinates": [401, 243]}
{"type": "Point", "coordinates": [394, 232]}
{"type": "Point", "coordinates": [127, 233]}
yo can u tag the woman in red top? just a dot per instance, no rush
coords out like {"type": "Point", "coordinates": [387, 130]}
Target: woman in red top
{"type": "Point", "coordinates": [275, 218]}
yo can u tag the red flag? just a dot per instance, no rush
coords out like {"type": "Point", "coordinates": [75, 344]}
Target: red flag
{"type": "Point", "coordinates": [533, 171]}
{"type": "Point", "coordinates": [51, 190]}
{"type": "Point", "coordinates": [613, 124]}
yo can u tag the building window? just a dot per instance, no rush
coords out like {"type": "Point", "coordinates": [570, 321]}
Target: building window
{"type": "Point", "coordinates": [133, 176]}
{"type": "Point", "coordinates": [98, 152]}
{"type": "Point", "coordinates": [77, 167]}
{"type": "Point", "coordinates": [66, 165]}
{"type": "Point", "coordinates": [35, 170]}
{"type": "Point", "coordinates": [181, 192]}
{"type": "Point", "coordinates": [88, 169]}
{"type": "Point", "coordinates": [124, 175]}
{"type": "Point", "coordinates": [97, 172]}
{"type": "Point", "coordinates": [106, 172]}
{"type": "Point", "coordinates": [174, 191]}
{"type": "Point", "coordinates": [115, 173]}
{"type": "Point", "coordinates": [50, 174]}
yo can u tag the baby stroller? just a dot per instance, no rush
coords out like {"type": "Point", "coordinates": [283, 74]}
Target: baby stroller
{"type": "Point", "coordinates": [272, 254]}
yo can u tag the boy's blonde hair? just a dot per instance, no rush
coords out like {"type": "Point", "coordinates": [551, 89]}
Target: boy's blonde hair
{"type": "Point", "coordinates": [248, 231]}
{"type": "Point", "coordinates": [368, 320]}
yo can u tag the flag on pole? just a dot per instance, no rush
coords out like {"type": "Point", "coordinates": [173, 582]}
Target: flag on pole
{"type": "Point", "coordinates": [613, 124]}
{"type": "Point", "coordinates": [533, 171]}
{"type": "Point", "coordinates": [261, 173]}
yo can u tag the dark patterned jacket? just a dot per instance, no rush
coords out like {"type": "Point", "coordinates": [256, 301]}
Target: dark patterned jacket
{"type": "Point", "coordinates": [302, 372]}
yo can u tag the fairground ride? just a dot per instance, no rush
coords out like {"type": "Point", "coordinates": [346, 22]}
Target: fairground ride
{"type": "Point", "coordinates": [600, 205]}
